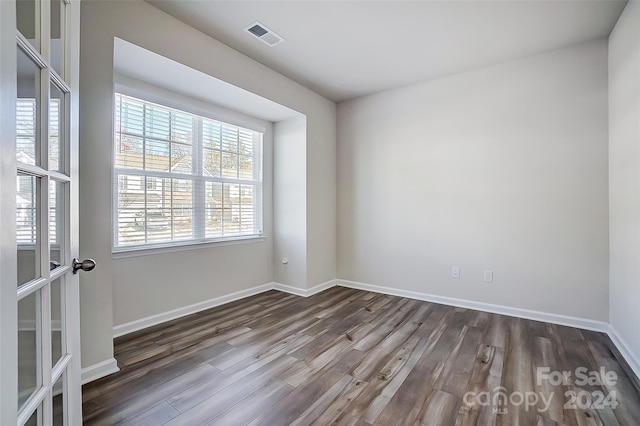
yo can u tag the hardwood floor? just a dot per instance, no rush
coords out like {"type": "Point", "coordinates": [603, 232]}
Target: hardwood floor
{"type": "Point", "coordinates": [352, 357]}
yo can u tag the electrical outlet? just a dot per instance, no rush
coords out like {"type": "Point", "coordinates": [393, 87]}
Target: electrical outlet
{"type": "Point", "coordinates": [488, 276]}
{"type": "Point", "coordinates": [455, 272]}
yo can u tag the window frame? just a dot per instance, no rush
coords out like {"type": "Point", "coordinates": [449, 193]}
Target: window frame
{"type": "Point", "coordinates": [193, 107]}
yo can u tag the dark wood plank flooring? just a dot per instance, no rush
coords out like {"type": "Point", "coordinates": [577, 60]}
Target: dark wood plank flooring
{"type": "Point", "coordinates": [352, 357]}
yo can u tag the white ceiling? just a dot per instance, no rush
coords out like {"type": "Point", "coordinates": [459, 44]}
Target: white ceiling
{"type": "Point", "coordinates": [346, 49]}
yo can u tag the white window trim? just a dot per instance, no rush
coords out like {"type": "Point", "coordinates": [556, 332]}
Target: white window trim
{"type": "Point", "coordinates": [168, 98]}
{"type": "Point", "coordinates": [178, 246]}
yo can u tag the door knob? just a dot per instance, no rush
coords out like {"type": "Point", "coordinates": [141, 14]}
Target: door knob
{"type": "Point", "coordinates": [86, 265]}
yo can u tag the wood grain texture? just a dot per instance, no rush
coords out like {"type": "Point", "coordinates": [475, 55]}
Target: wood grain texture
{"type": "Point", "coordinates": [350, 357]}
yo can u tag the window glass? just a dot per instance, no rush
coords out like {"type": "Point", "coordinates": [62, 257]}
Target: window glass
{"type": "Point", "coordinates": [182, 177]}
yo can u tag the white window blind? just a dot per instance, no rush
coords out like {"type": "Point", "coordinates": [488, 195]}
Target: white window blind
{"type": "Point", "coordinates": [26, 210]}
{"type": "Point", "coordinates": [183, 177]}
{"type": "Point", "coordinates": [26, 114]}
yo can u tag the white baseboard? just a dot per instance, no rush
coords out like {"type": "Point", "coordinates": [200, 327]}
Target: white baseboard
{"type": "Point", "coordinates": [130, 327]}
{"type": "Point", "coordinates": [304, 292]}
{"type": "Point", "coordinates": [99, 370]}
{"type": "Point", "coordinates": [624, 349]}
{"type": "Point", "coordinates": [583, 323]}
{"type": "Point", "coordinates": [109, 366]}
{"type": "Point", "coordinates": [587, 324]}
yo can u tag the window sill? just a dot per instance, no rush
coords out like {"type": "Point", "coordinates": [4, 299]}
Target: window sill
{"type": "Point", "coordinates": [124, 252]}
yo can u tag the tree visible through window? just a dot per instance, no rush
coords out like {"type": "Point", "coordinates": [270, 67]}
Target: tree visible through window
{"type": "Point", "coordinates": [181, 177]}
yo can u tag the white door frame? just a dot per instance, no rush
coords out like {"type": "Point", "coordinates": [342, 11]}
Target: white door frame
{"type": "Point", "coordinates": [8, 252]}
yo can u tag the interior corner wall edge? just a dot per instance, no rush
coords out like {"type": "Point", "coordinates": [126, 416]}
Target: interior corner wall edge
{"type": "Point", "coordinates": [501, 169]}
{"type": "Point", "coordinates": [624, 178]}
{"type": "Point", "coordinates": [101, 292]}
{"type": "Point", "coordinates": [321, 200]}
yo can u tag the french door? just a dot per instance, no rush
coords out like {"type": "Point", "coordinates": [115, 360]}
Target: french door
{"type": "Point", "coordinates": [39, 303]}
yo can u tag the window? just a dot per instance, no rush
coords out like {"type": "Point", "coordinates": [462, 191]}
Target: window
{"type": "Point", "coordinates": [183, 177]}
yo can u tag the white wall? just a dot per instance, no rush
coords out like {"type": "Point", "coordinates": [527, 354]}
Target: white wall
{"type": "Point", "coordinates": [290, 202]}
{"type": "Point", "coordinates": [134, 288]}
{"type": "Point", "coordinates": [624, 177]}
{"type": "Point", "coordinates": [137, 277]}
{"type": "Point", "coordinates": [149, 285]}
{"type": "Point", "coordinates": [502, 169]}
{"type": "Point", "coordinates": [304, 196]}
{"type": "Point", "coordinates": [321, 199]}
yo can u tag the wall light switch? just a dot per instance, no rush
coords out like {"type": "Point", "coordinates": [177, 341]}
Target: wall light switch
{"type": "Point", "coordinates": [488, 276]}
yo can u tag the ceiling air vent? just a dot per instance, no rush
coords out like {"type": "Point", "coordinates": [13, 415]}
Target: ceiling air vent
{"type": "Point", "coordinates": [264, 34]}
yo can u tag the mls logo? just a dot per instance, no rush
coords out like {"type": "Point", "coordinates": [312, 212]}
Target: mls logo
{"type": "Point", "coordinates": [500, 410]}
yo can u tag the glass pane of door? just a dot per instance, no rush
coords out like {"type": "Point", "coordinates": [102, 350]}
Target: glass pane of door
{"type": "Point", "coordinates": [58, 21]}
{"type": "Point", "coordinates": [27, 227]}
{"type": "Point", "coordinates": [35, 419]}
{"type": "Point", "coordinates": [28, 347]}
{"type": "Point", "coordinates": [28, 110]}
{"type": "Point", "coordinates": [28, 20]}
{"type": "Point", "coordinates": [56, 129]}
{"type": "Point", "coordinates": [56, 224]}
{"type": "Point", "coordinates": [57, 315]}
{"type": "Point", "coordinates": [59, 402]}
